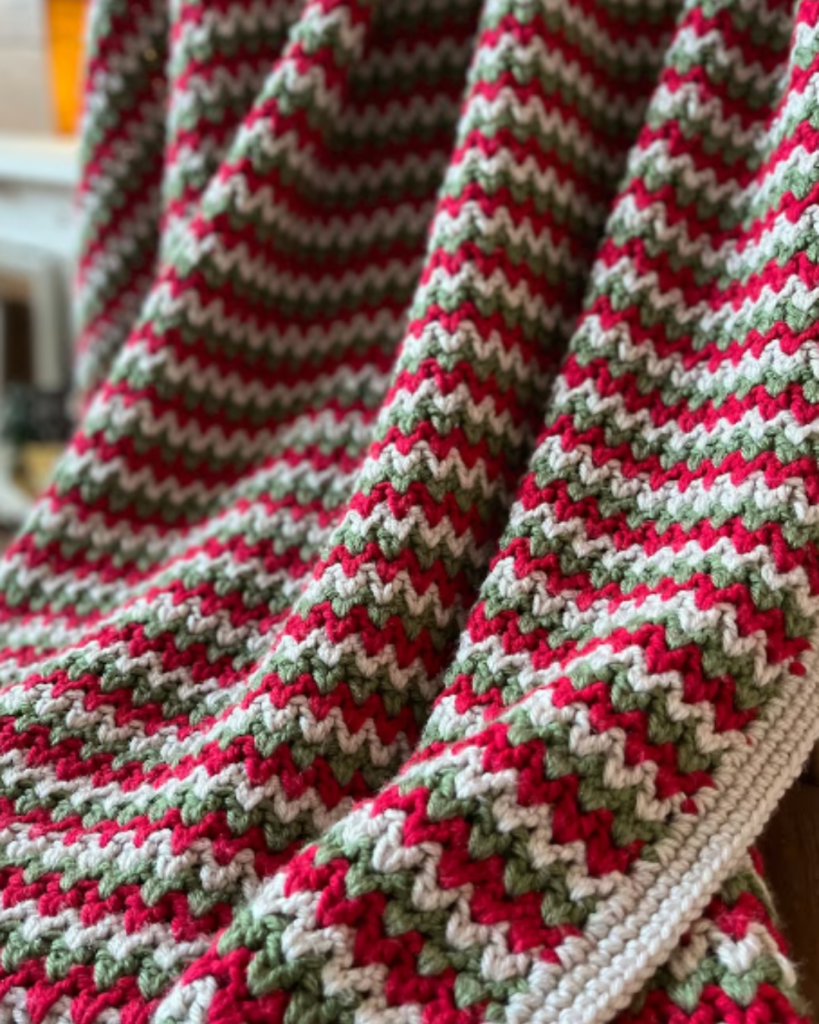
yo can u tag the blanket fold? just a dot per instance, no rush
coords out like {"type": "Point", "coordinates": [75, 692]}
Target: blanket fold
{"type": "Point", "coordinates": [420, 627]}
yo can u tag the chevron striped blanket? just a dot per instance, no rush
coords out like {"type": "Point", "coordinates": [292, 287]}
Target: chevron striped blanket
{"type": "Point", "coordinates": [420, 627]}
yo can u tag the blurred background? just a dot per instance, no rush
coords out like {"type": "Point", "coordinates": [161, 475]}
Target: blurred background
{"type": "Point", "coordinates": [41, 68]}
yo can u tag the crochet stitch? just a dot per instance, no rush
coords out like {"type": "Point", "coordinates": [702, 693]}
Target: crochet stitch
{"type": "Point", "coordinates": [420, 627]}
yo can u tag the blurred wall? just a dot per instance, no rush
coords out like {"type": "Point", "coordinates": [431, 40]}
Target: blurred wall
{"type": "Point", "coordinates": [25, 100]}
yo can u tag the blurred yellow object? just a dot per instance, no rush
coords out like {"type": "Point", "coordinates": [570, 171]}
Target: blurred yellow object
{"type": "Point", "coordinates": [66, 37]}
{"type": "Point", "coordinates": [36, 462]}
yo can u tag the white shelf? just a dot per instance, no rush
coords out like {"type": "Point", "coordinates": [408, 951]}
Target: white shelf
{"type": "Point", "coordinates": [43, 160]}
{"type": "Point", "coordinates": [38, 176]}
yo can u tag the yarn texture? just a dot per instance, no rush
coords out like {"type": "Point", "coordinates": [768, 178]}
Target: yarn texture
{"type": "Point", "coordinates": [420, 627]}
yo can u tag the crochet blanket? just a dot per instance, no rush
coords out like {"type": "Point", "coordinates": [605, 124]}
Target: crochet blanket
{"type": "Point", "coordinates": [420, 627]}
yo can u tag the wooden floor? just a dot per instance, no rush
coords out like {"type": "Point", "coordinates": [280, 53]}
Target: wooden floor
{"type": "Point", "coordinates": [790, 850]}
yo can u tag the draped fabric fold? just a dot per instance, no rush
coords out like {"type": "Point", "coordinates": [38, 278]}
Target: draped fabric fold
{"type": "Point", "coordinates": [420, 627]}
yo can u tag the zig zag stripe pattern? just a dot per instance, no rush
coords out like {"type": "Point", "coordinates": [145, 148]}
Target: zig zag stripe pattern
{"type": "Point", "coordinates": [420, 627]}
